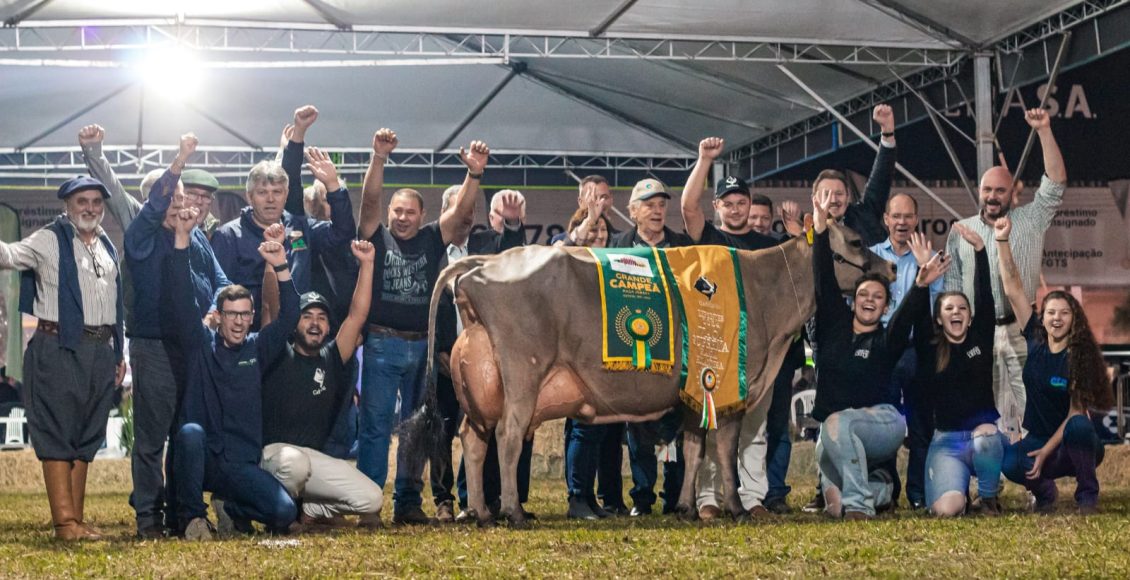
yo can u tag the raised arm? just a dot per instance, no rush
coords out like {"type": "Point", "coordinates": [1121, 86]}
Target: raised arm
{"type": "Point", "coordinates": [304, 117]}
{"type": "Point", "coordinates": [984, 318]}
{"type": "Point", "coordinates": [269, 293]}
{"type": "Point", "coordinates": [1011, 284]}
{"type": "Point", "coordinates": [898, 331]}
{"type": "Point", "coordinates": [177, 287]}
{"type": "Point", "coordinates": [341, 227]}
{"type": "Point", "coordinates": [372, 191]}
{"type": "Point", "coordinates": [921, 317]}
{"type": "Point", "coordinates": [349, 335]}
{"type": "Point", "coordinates": [272, 337]}
{"type": "Point", "coordinates": [829, 299]}
{"type": "Point", "coordinates": [121, 205]}
{"type": "Point", "coordinates": [455, 223]}
{"type": "Point", "coordinates": [694, 220]}
{"type": "Point", "coordinates": [1039, 120]}
{"type": "Point", "coordinates": [513, 234]}
{"type": "Point", "coordinates": [878, 188]}
{"type": "Point", "coordinates": [140, 237]}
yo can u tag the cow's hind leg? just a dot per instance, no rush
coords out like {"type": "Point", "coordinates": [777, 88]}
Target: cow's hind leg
{"type": "Point", "coordinates": [474, 456]}
{"type": "Point", "coordinates": [727, 441]}
{"type": "Point", "coordinates": [694, 447]}
{"type": "Point", "coordinates": [509, 434]}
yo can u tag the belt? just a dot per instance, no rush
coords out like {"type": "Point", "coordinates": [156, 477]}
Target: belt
{"type": "Point", "coordinates": [401, 334]}
{"type": "Point", "coordinates": [96, 333]}
{"type": "Point", "coordinates": [1006, 319]}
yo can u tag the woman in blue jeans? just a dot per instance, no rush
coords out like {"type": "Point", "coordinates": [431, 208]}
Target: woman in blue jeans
{"type": "Point", "coordinates": [1065, 379]}
{"type": "Point", "coordinates": [955, 370]}
{"type": "Point", "coordinates": [860, 424]}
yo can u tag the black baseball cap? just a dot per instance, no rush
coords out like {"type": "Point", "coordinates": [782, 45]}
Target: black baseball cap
{"type": "Point", "coordinates": [731, 184]}
{"type": "Point", "coordinates": [81, 183]}
{"type": "Point", "coordinates": [311, 299]}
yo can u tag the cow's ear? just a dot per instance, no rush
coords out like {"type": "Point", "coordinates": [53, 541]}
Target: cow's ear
{"type": "Point", "coordinates": [808, 227]}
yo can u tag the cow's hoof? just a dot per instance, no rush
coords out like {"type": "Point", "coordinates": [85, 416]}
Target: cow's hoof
{"type": "Point", "coordinates": [686, 513]}
{"type": "Point", "coordinates": [518, 521]}
{"type": "Point", "coordinates": [485, 522]}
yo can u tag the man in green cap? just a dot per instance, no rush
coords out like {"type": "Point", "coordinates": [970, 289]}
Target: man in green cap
{"type": "Point", "coordinates": [199, 191]}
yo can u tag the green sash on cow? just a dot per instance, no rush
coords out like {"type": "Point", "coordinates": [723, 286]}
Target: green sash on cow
{"type": "Point", "coordinates": [635, 310]}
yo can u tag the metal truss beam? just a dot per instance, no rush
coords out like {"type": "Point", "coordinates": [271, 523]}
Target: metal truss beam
{"type": "Point", "coordinates": [235, 162]}
{"type": "Point", "coordinates": [1058, 23]}
{"type": "Point", "coordinates": [360, 43]}
{"type": "Point", "coordinates": [882, 94]}
{"type": "Point", "coordinates": [921, 23]}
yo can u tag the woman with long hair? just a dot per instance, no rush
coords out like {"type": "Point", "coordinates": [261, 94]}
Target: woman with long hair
{"type": "Point", "coordinates": [955, 371]}
{"type": "Point", "coordinates": [1065, 379]}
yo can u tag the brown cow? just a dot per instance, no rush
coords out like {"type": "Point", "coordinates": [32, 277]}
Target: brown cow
{"type": "Point", "coordinates": [530, 350]}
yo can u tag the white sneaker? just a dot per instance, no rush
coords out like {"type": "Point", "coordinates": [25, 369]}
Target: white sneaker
{"type": "Point", "coordinates": [199, 529]}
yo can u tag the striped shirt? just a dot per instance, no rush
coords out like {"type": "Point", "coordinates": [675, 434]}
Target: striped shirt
{"type": "Point", "coordinates": [40, 252]}
{"type": "Point", "coordinates": [1029, 224]}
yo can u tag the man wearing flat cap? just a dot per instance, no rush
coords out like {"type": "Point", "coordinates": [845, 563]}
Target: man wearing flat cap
{"type": "Point", "coordinates": [72, 285]}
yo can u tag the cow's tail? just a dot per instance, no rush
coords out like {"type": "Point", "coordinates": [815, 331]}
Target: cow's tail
{"type": "Point", "coordinates": [421, 432]}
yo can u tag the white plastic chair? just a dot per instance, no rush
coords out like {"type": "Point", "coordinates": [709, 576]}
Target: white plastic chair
{"type": "Point", "coordinates": [806, 400]}
{"type": "Point", "coordinates": [14, 431]}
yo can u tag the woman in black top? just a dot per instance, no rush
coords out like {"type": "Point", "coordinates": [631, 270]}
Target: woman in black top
{"type": "Point", "coordinates": [861, 425]}
{"type": "Point", "coordinates": [1065, 378]}
{"type": "Point", "coordinates": [955, 370]}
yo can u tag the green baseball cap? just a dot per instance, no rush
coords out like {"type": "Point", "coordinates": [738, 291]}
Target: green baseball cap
{"type": "Point", "coordinates": [199, 178]}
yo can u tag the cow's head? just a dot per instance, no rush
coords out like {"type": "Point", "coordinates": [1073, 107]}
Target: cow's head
{"type": "Point", "coordinates": [854, 262]}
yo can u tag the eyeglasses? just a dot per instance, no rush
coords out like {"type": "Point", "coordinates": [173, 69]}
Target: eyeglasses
{"type": "Point", "coordinates": [199, 194]}
{"type": "Point", "coordinates": [233, 315]}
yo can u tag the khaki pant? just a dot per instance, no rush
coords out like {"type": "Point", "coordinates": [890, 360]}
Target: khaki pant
{"type": "Point", "coordinates": [1010, 351]}
{"type": "Point", "coordinates": [327, 486]}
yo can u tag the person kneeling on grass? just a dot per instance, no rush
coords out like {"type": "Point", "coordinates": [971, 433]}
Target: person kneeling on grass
{"type": "Point", "coordinates": [220, 439]}
{"type": "Point", "coordinates": [955, 371]}
{"type": "Point", "coordinates": [860, 425]}
{"type": "Point", "coordinates": [1065, 379]}
{"type": "Point", "coordinates": [304, 393]}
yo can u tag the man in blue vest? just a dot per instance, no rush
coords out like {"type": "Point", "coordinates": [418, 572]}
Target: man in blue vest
{"type": "Point", "coordinates": [71, 284]}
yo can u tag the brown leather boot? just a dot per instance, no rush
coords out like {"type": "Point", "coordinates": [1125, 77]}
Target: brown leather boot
{"type": "Point", "coordinates": [57, 477]}
{"type": "Point", "coordinates": [78, 494]}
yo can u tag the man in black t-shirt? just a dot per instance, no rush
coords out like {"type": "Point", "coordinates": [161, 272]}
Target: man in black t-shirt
{"type": "Point", "coordinates": [732, 200]}
{"type": "Point", "coordinates": [408, 258]}
{"type": "Point", "coordinates": [304, 393]}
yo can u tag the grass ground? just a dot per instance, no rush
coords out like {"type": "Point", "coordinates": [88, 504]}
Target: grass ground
{"type": "Point", "coordinates": [903, 544]}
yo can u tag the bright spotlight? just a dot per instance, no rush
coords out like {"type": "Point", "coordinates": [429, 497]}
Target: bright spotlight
{"type": "Point", "coordinates": [172, 72]}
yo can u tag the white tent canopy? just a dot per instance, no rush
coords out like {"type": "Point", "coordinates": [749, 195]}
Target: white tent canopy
{"type": "Point", "coordinates": [608, 77]}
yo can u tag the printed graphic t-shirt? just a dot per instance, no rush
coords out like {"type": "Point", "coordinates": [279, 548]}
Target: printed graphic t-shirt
{"type": "Point", "coordinates": [1045, 382]}
{"type": "Point", "coordinates": [405, 273]}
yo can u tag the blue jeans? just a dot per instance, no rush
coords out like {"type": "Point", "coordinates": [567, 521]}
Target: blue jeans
{"type": "Point", "coordinates": [392, 366]}
{"type": "Point", "coordinates": [956, 455]}
{"type": "Point", "coordinates": [249, 493]}
{"type": "Point", "coordinates": [779, 442]}
{"type": "Point", "coordinates": [1077, 456]}
{"type": "Point", "coordinates": [852, 439]}
{"type": "Point", "coordinates": [584, 446]}
{"type": "Point", "coordinates": [919, 424]}
{"type": "Point", "coordinates": [642, 439]}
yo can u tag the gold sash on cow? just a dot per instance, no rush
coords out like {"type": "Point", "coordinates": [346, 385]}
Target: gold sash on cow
{"type": "Point", "coordinates": [708, 285]}
{"type": "Point", "coordinates": [635, 310]}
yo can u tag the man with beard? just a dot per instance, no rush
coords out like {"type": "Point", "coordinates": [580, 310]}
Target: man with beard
{"type": "Point", "coordinates": [732, 201]}
{"type": "Point", "coordinates": [70, 282]}
{"type": "Point", "coordinates": [219, 443]}
{"type": "Point", "coordinates": [901, 220]}
{"type": "Point", "coordinates": [1029, 224]}
{"type": "Point", "coordinates": [236, 243]}
{"type": "Point", "coordinates": [303, 396]}
{"type": "Point", "coordinates": [409, 254]}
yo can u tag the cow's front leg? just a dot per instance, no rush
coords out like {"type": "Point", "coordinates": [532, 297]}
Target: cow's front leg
{"type": "Point", "coordinates": [726, 440]}
{"type": "Point", "coordinates": [509, 434]}
{"type": "Point", "coordinates": [474, 456]}
{"type": "Point", "coordinates": [694, 447]}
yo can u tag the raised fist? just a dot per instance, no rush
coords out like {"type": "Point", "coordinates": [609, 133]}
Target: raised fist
{"type": "Point", "coordinates": [305, 116]}
{"type": "Point", "coordinates": [91, 134]}
{"type": "Point", "coordinates": [275, 233]}
{"type": "Point", "coordinates": [188, 144]}
{"type": "Point", "coordinates": [476, 159]}
{"type": "Point", "coordinates": [272, 253]}
{"type": "Point", "coordinates": [364, 251]}
{"type": "Point", "coordinates": [186, 220]}
{"type": "Point", "coordinates": [1038, 119]}
{"type": "Point", "coordinates": [885, 117]}
{"type": "Point", "coordinates": [1002, 228]}
{"type": "Point", "coordinates": [710, 148]}
{"type": "Point", "coordinates": [384, 141]}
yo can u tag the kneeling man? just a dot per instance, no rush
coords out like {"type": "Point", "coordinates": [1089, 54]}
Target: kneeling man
{"type": "Point", "coordinates": [305, 393]}
{"type": "Point", "coordinates": [220, 439]}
